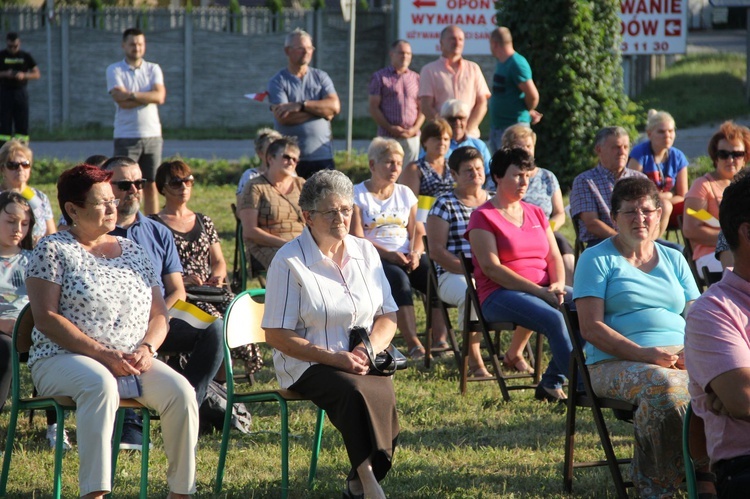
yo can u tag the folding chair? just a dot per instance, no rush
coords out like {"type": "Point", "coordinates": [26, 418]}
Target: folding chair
{"type": "Point", "coordinates": [688, 253]}
{"type": "Point", "coordinates": [242, 326]}
{"type": "Point", "coordinates": [710, 277]}
{"type": "Point", "coordinates": [588, 398]}
{"type": "Point", "coordinates": [432, 299]}
{"type": "Point", "coordinates": [695, 451]}
{"type": "Point", "coordinates": [239, 267]}
{"type": "Point", "coordinates": [492, 344]}
{"type": "Point", "coordinates": [21, 345]}
{"type": "Point", "coordinates": [578, 245]}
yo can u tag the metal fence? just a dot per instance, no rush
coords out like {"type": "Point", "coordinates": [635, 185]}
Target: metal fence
{"type": "Point", "coordinates": [246, 21]}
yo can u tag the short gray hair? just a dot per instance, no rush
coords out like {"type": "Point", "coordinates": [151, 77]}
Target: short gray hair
{"type": "Point", "coordinates": [607, 132]}
{"type": "Point", "coordinates": [323, 184]}
{"type": "Point", "coordinates": [264, 137]}
{"type": "Point", "coordinates": [296, 33]}
{"type": "Point", "coordinates": [453, 107]}
{"type": "Point", "coordinates": [380, 146]}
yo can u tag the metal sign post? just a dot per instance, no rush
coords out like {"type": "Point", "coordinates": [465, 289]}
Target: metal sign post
{"type": "Point", "coordinates": [349, 11]}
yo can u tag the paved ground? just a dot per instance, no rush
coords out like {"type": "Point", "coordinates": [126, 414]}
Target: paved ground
{"type": "Point", "coordinates": [692, 141]}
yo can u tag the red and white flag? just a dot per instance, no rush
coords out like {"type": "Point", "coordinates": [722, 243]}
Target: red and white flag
{"type": "Point", "coordinates": [259, 97]}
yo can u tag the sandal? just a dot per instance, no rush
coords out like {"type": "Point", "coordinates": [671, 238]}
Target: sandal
{"type": "Point", "coordinates": [348, 494]}
{"type": "Point", "coordinates": [517, 364]}
{"type": "Point", "coordinates": [416, 352]}
{"type": "Point", "coordinates": [706, 484]}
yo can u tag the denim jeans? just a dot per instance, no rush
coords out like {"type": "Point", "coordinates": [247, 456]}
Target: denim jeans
{"type": "Point", "coordinates": [534, 313]}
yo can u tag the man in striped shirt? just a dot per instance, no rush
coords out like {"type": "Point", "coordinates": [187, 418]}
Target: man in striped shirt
{"type": "Point", "coordinates": [394, 104]}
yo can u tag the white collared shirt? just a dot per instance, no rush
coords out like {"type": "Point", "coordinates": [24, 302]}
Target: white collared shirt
{"type": "Point", "coordinates": [308, 293]}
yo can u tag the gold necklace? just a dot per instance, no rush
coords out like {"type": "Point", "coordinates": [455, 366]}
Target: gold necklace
{"type": "Point", "coordinates": [99, 254]}
{"type": "Point", "coordinates": [512, 217]}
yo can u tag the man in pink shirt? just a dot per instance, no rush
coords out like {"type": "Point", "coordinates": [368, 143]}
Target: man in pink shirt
{"type": "Point", "coordinates": [453, 77]}
{"type": "Point", "coordinates": [717, 352]}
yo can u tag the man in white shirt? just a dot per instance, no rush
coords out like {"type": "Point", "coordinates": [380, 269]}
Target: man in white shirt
{"type": "Point", "coordinates": [137, 87]}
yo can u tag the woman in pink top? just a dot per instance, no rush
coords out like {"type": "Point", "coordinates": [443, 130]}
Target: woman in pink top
{"type": "Point", "coordinates": [517, 265]}
{"type": "Point", "coordinates": [729, 149]}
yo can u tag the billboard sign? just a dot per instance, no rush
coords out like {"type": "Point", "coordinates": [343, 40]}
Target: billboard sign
{"type": "Point", "coordinates": [647, 26]}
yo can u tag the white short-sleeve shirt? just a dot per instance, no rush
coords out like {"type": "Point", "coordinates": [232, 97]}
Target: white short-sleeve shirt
{"type": "Point", "coordinates": [142, 121]}
{"type": "Point", "coordinates": [311, 295]}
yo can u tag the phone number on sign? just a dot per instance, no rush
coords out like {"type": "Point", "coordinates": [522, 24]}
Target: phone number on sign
{"type": "Point", "coordinates": [644, 47]}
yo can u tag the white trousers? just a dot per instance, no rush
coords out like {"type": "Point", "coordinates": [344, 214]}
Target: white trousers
{"type": "Point", "coordinates": [94, 389]}
{"type": "Point", "coordinates": [452, 289]}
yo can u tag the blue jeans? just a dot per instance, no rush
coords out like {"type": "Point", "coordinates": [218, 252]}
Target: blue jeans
{"type": "Point", "coordinates": [534, 313]}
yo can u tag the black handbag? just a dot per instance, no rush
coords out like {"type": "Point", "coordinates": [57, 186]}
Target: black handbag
{"type": "Point", "coordinates": [386, 363]}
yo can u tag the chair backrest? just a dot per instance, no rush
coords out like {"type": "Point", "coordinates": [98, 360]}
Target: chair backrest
{"type": "Point", "coordinates": [711, 277]}
{"type": "Point", "coordinates": [239, 267]}
{"type": "Point", "coordinates": [688, 254]}
{"type": "Point", "coordinates": [578, 245]}
{"type": "Point", "coordinates": [242, 319]}
{"type": "Point", "coordinates": [21, 346]}
{"type": "Point", "coordinates": [471, 292]}
{"type": "Point", "coordinates": [694, 448]}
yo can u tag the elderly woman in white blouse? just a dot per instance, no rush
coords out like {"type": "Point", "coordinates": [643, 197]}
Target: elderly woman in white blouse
{"type": "Point", "coordinates": [320, 286]}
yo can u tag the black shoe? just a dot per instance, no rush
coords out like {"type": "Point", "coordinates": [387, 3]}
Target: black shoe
{"type": "Point", "coordinates": [348, 494]}
{"type": "Point", "coordinates": [549, 394]}
{"type": "Point", "coordinates": [132, 437]}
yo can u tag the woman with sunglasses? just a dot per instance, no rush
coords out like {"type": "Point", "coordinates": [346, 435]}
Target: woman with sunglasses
{"type": "Point", "coordinates": [198, 246]}
{"type": "Point", "coordinates": [729, 150]}
{"type": "Point", "coordinates": [15, 167]}
{"type": "Point", "coordinates": [269, 205]}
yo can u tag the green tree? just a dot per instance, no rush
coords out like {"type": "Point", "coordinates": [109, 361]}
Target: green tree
{"type": "Point", "coordinates": [573, 49]}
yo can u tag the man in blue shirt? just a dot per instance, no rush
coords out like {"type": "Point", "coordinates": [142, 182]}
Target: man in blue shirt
{"type": "Point", "coordinates": [304, 102]}
{"type": "Point", "coordinates": [204, 346]}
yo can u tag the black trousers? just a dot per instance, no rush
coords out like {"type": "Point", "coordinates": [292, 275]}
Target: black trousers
{"type": "Point", "coordinates": [362, 408]}
{"type": "Point", "coordinates": [14, 111]}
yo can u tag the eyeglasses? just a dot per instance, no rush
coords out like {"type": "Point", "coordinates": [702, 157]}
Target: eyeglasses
{"type": "Point", "coordinates": [722, 154]}
{"type": "Point", "coordinates": [289, 158]}
{"type": "Point", "coordinates": [329, 215]}
{"type": "Point", "coordinates": [14, 165]}
{"type": "Point", "coordinates": [176, 182]}
{"type": "Point", "coordinates": [114, 203]}
{"type": "Point", "coordinates": [456, 118]}
{"type": "Point", "coordinates": [125, 185]}
{"type": "Point", "coordinates": [640, 212]}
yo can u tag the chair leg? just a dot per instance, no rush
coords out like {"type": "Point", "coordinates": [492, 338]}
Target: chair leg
{"type": "Point", "coordinates": [146, 441]}
{"type": "Point", "coordinates": [609, 452]}
{"type": "Point", "coordinates": [60, 418]}
{"type": "Point", "coordinates": [463, 369]}
{"type": "Point", "coordinates": [496, 363]}
{"type": "Point", "coordinates": [116, 439]}
{"type": "Point", "coordinates": [570, 429]}
{"type": "Point", "coordinates": [284, 449]}
{"type": "Point", "coordinates": [223, 449]}
{"type": "Point", "coordinates": [10, 437]}
{"type": "Point", "coordinates": [538, 358]}
{"type": "Point", "coordinates": [317, 437]}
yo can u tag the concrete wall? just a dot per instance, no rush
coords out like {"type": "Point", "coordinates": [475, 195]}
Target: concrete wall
{"type": "Point", "coordinates": [206, 71]}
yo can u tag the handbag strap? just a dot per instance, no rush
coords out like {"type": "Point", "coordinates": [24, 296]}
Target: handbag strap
{"type": "Point", "coordinates": [371, 354]}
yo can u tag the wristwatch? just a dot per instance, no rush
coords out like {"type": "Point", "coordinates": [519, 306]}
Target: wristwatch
{"type": "Point", "coordinates": [150, 347]}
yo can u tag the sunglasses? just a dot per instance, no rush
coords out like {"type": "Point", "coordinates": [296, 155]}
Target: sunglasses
{"type": "Point", "coordinates": [176, 182]}
{"type": "Point", "coordinates": [289, 158]}
{"type": "Point", "coordinates": [125, 185]}
{"type": "Point", "coordinates": [456, 118]}
{"type": "Point", "coordinates": [14, 165]}
{"type": "Point", "coordinates": [722, 154]}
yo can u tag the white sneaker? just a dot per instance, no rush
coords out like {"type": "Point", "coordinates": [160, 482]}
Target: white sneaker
{"type": "Point", "coordinates": [52, 437]}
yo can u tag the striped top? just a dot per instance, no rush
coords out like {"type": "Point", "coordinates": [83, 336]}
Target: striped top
{"type": "Point", "coordinates": [311, 295]}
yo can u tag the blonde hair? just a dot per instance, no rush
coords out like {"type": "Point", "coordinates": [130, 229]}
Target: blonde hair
{"type": "Point", "coordinates": [517, 133]}
{"type": "Point", "coordinates": [656, 118]}
{"type": "Point", "coordinates": [14, 146]}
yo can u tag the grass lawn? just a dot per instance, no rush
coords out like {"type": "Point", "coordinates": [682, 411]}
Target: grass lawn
{"type": "Point", "coordinates": [700, 89]}
{"type": "Point", "coordinates": [475, 446]}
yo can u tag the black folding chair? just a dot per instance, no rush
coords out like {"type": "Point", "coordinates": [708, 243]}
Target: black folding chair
{"type": "Point", "coordinates": [587, 398]}
{"type": "Point", "coordinates": [433, 300]}
{"type": "Point", "coordinates": [492, 344]}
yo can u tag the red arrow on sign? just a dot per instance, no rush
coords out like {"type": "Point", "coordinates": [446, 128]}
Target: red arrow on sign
{"type": "Point", "coordinates": [673, 27]}
{"type": "Point", "coordinates": [424, 3]}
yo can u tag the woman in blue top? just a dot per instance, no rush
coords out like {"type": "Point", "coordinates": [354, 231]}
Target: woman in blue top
{"type": "Point", "coordinates": [631, 296]}
{"type": "Point", "coordinates": [663, 164]}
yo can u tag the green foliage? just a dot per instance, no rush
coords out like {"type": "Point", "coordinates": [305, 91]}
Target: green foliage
{"type": "Point", "coordinates": [572, 47]}
{"type": "Point", "coordinates": [275, 6]}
